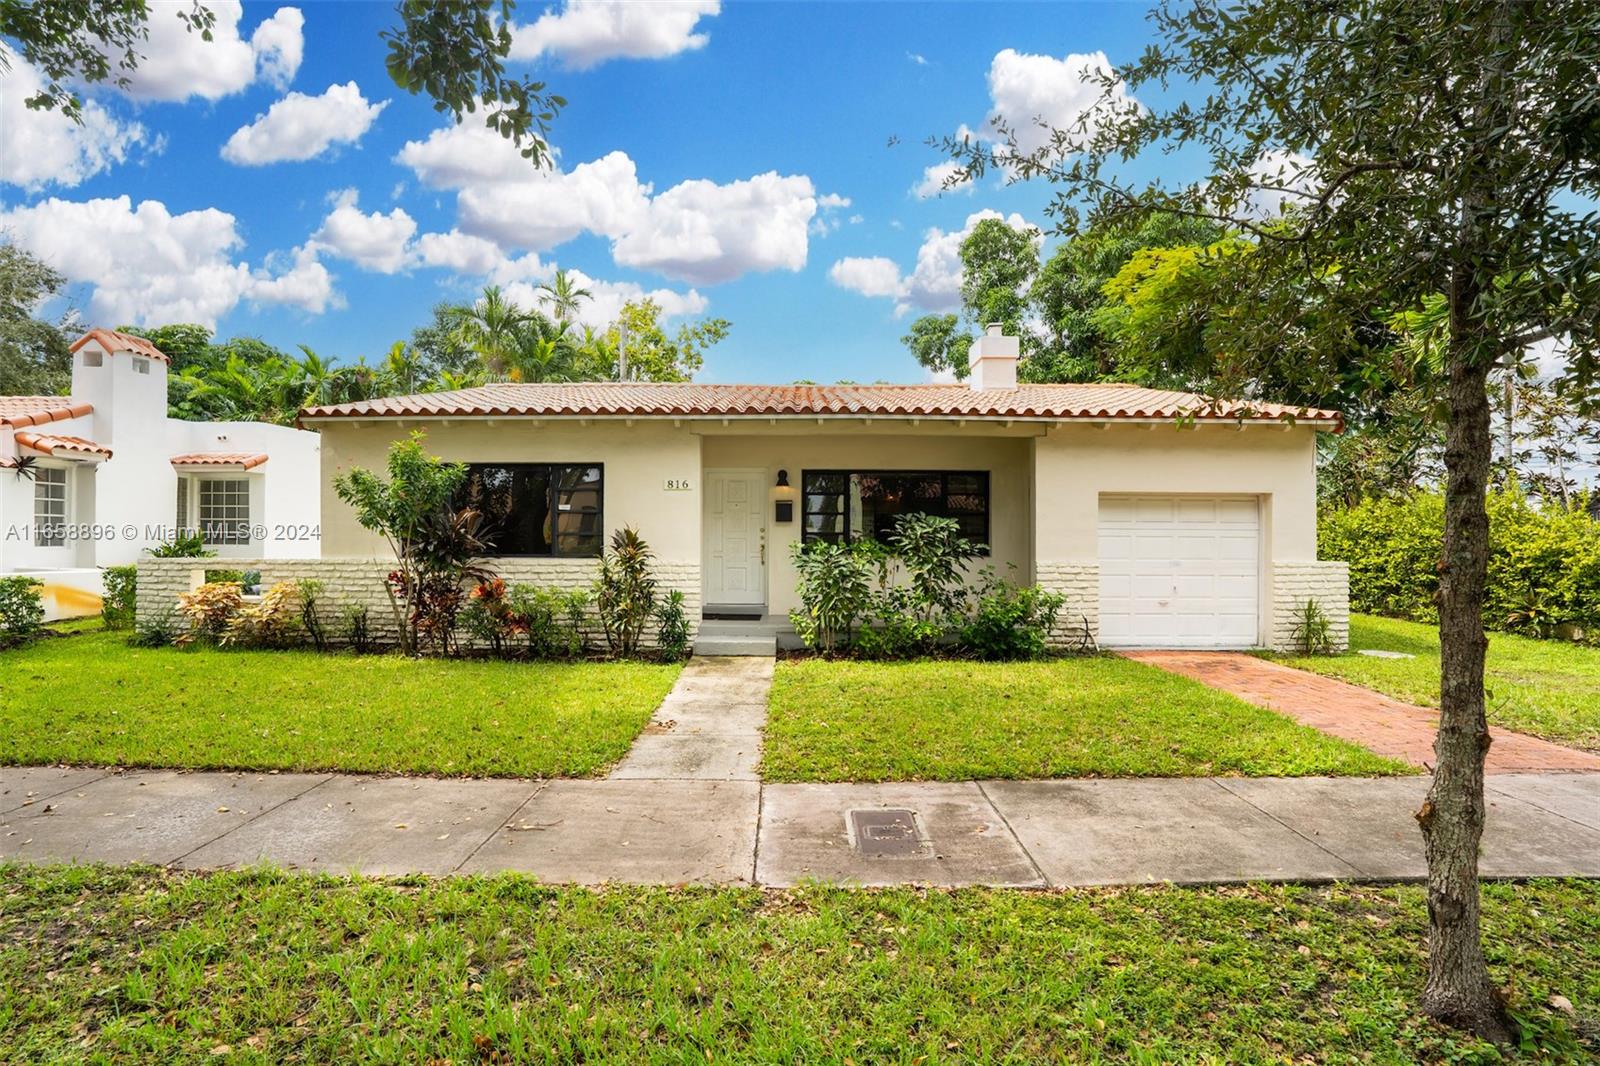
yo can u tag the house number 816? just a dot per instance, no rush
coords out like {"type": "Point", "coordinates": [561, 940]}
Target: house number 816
{"type": "Point", "coordinates": [677, 484]}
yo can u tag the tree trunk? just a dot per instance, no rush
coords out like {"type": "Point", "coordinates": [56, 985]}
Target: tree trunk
{"type": "Point", "coordinates": [1459, 991]}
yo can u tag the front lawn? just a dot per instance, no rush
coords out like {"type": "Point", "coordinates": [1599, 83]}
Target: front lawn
{"type": "Point", "coordinates": [93, 699]}
{"type": "Point", "coordinates": [152, 966]}
{"type": "Point", "coordinates": [1098, 716]}
{"type": "Point", "coordinates": [1545, 687]}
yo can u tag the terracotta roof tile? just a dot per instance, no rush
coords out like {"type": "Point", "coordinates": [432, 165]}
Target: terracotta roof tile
{"type": "Point", "coordinates": [114, 341]}
{"type": "Point", "coordinates": [20, 411]}
{"type": "Point", "coordinates": [53, 443]}
{"type": "Point", "coordinates": [242, 460]}
{"type": "Point", "coordinates": [689, 400]}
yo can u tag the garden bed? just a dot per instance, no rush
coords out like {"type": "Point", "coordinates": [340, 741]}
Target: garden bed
{"type": "Point", "coordinates": [1088, 716]}
{"type": "Point", "coordinates": [95, 700]}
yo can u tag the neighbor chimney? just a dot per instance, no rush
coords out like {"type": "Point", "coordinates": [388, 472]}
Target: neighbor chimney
{"type": "Point", "coordinates": [993, 360]}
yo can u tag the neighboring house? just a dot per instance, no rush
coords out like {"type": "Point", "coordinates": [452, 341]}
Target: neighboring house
{"type": "Point", "coordinates": [95, 478]}
{"type": "Point", "coordinates": [1165, 522]}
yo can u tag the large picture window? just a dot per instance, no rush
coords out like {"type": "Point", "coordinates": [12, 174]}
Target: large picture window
{"type": "Point", "coordinates": [225, 510]}
{"type": "Point", "coordinates": [850, 505]}
{"type": "Point", "coordinates": [49, 507]}
{"type": "Point", "coordinates": [538, 508]}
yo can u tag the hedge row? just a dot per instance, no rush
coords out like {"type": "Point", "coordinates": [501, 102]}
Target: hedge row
{"type": "Point", "coordinates": [1544, 561]}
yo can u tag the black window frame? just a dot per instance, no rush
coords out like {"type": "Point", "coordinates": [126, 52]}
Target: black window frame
{"type": "Point", "coordinates": [807, 535]}
{"type": "Point", "coordinates": [553, 490]}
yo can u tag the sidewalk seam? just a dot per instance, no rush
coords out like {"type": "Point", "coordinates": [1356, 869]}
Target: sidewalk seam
{"type": "Point", "coordinates": [1268, 814]}
{"type": "Point", "coordinates": [1538, 806]}
{"type": "Point", "coordinates": [103, 775]}
{"type": "Point", "coordinates": [259, 814]}
{"type": "Point", "coordinates": [998, 813]}
{"type": "Point", "coordinates": [480, 845]}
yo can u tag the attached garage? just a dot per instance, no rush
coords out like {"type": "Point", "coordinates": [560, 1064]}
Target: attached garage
{"type": "Point", "coordinates": [1180, 571]}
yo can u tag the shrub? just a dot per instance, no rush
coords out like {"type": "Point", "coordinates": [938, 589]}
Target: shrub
{"type": "Point", "coordinates": [1009, 622]}
{"type": "Point", "coordinates": [120, 601]}
{"type": "Point", "coordinates": [488, 617]}
{"type": "Point", "coordinates": [625, 594]}
{"type": "Point", "coordinates": [310, 591]}
{"type": "Point", "coordinates": [356, 628]}
{"type": "Point", "coordinates": [209, 609]}
{"type": "Point", "coordinates": [835, 588]}
{"type": "Point", "coordinates": [1312, 632]}
{"type": "Point", "coordinates": [672, 627]}
{"type": "Point", "coordinates": [21, 610]}
{"type": "Point", "coordinates": [550, 619]}
{"type": "Point", "coordinates": [1546, 552]}
{"type": "Point", "coordinates": [159, 632]}
{"type": "Point", "coordinates": [274, 621]}
{"type": "Point", "coordinates": [182, 546]}
{"type": "Point", "coordinates": [217, 577]}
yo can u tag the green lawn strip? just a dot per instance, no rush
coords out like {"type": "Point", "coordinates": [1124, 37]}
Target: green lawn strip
{"type": "Point", "coordinates": [1545, 687]}
{"type": "Point", "coordinates": [1097, 716]}
{"type": "Point", "coordinates": [151, 966]}
{"type": "Point", "coordinates": [94, 700]}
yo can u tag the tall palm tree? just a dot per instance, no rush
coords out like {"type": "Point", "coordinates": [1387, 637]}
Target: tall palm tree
{"type": "Point", "coordinates": [489, 327]}
{"type": "Point", "coordinates": [543, 355]}
{"type": "Point", "coordinates": [563, 296]}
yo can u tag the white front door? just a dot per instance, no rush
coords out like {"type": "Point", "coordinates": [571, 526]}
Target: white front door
{"type": "Point", "coordinates": [735, 537]}
{"type": "Point", "coordinates": [1179, 571]}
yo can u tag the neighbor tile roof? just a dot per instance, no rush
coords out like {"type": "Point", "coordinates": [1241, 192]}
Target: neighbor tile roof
{"type": "Point", "coordinates": [52, 443]}
{"type": "Point", "coordinates": [242, 460]}
{"type": "Point", "coordinates": [690, 400]}
{"type": "Point", "coordinates": [114, 341]}
{"type": "Point", "coordinates": [20, 411]}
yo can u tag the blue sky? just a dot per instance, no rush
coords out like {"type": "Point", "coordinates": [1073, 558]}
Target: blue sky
{"type": "Point", "coordinates": [706, 154]}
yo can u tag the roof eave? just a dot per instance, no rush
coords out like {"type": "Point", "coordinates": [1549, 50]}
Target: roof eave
{"type": "Point", "coordinates": [1321, 422]}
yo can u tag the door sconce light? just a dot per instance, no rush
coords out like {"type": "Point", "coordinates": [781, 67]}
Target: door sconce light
{"type": "Point", "coordinates": [783, 507]}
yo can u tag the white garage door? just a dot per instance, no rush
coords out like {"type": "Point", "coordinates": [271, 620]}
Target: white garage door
{"type": "Point", "coordinates": [1179, 571]}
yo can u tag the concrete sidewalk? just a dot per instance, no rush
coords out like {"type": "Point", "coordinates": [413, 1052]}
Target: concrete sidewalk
{"type": "Point", "coordinates": [1021, 833]}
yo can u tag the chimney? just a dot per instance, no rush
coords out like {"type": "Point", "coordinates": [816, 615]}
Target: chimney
{"type": "Point", "coordinates": [993, 360]}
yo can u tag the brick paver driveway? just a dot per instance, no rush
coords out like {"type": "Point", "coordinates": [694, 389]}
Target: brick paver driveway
{"type": "Point", "coordinates": [1376, 722]}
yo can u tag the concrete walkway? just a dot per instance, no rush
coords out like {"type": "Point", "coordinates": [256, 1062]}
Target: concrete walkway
{"type": "Point", "coordinates": [1387, 726]}
{"type": "Point", "coordinates": [671, 831]}
{"type": "Point", "coordinates": [709, 726]}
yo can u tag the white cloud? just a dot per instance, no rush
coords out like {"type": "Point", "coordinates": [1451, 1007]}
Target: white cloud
{"type": "Point", "coordinates": [148, 265]}
{"type": "Point", "coordinates": [704, 232]}
{"type": "Point", "coordinates": [934, 284]}
{"type": "Point", "coordinates": [177, 64]}
{"type": "Point", "coordinates": [585, 33]}
{"type": "Point", "coordinates": [301, 127]}
{"type": "Point", "coordinates": [379, 242]}
{"type": "Point", "coordinates": [696, 231]}
{"type": "Point", "coordinates": [1033, 94]}
{"type": "Point", "coordinates": [543, 208]}
{"type": "Point", "coordinates": [40, 148]}
{"type": "Point", "coordinates": [874, 276]}
{"type": "Point", "coordinates": [459, 252]}
{"type": "Point", "coordinates": [934, 179]}
{"type": "Point", "coordinates": [307, 284]}
{"type": "Point", "coordinates": [829, 217]}
{"type": "Point", "coordinates": [918, 58]}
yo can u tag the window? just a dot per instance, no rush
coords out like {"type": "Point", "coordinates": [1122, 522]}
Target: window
{"type": "Point", "coordinates": [92, 359]}
{"type": "Point", "coordinates": [141, 366]}
{"type": "Point", "coordinates": [538, 508]}
{"type": "Point", "coordinates": [49, 507]}
{"type": "Point", "coordinates": [183, 505]}
{"type": "Point", "coordinates": [847, 505]}
{"type": "Point", "coordinates": [225, 511]}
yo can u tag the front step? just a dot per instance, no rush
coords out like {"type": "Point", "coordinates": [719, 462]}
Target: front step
{"type": "Point", "coordinates": [717, 644]}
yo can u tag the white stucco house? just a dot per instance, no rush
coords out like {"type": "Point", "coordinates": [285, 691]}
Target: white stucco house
{"type": "Point", "coordinates": [94, 478]}
{"type": "Point", "coordinates": [1166, 520]}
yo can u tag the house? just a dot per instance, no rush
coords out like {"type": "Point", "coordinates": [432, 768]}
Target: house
{"type": "Point", "coordinates": [1166, 521]}
{"type": "Point", "coordinates": [94, 478]}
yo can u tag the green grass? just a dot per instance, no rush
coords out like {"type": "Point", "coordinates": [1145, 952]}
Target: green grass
{"type": "Point", "coordinates": [1545, 687]}
{"type": "Point", "coordinates": [1098, 716]}
{"type": "Point", "coordinates": [92, 699]}
{"type": "Point", "coordinates": [152, 966]}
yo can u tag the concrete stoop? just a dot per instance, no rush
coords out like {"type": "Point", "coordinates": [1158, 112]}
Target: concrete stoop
{"type": "Point", "coordinates": [743, 637]}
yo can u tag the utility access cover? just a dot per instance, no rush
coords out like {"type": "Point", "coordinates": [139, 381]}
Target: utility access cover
{"type": "Point", "coordinates": [886, 833]}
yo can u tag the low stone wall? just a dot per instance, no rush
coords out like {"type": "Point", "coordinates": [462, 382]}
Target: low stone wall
{"type": "Point", "coordinates": [360, 582]}
{"type": "Point", "coordinates": [1293, 584]}
{"type": "Point", "coordinates": [1080, 584]}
